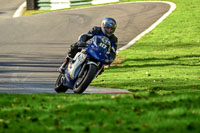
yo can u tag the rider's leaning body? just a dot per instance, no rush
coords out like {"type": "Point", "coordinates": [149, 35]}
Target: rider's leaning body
{"type": "Point", "coordinates": [107, 29]}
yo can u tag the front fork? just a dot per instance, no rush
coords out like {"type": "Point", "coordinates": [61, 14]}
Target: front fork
{"type": "Point", "coordinates": [100, 70]}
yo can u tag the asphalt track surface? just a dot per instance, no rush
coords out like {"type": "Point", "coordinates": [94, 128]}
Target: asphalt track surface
{"type": "Point", "coordinates": [33, 47]}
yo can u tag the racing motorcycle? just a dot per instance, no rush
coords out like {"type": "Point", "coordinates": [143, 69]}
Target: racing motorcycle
{"type": "Point", "coordinates": [85, 66]}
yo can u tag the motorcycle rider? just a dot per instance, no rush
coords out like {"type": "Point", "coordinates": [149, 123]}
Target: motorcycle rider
{"type": "Point", "coordinates": [108, 27]}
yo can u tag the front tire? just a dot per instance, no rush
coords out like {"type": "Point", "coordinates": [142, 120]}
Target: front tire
{"type": "Point", "coordinates": [86, 78]}
{"type": "Point", "coordinates": [59, 87]}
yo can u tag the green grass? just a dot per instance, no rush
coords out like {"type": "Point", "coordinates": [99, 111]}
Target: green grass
{"type": "Point", "coordinates": [153, 112]}
{"type": "Point", "coordinates": [162, 71]}
{"type": "Point", "coordinates": [170, 54]}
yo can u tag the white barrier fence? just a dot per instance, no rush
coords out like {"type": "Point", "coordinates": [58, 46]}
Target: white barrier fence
{"type": "Point", "coordinates": [61, 4]}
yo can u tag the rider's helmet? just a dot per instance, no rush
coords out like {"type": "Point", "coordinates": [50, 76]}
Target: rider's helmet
{"type": "Point", "coordinates": [108, 26]}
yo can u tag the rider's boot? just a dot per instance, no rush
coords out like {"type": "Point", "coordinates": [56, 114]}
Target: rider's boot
{"type": "Point", "coordinates": [71, 54]}
{"type": "Point", "coordinates": [61, 69]}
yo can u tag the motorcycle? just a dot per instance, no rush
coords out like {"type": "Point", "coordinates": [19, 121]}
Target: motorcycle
{"type": "Point", "coordinates": [85, 66]}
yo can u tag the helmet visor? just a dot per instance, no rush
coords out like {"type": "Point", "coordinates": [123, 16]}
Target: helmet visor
{"type": "Point", "coordinates": [109, 30]}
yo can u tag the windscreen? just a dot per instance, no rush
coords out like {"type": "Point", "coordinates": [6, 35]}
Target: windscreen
{"type": "Point", "coordinates": [102, 42]}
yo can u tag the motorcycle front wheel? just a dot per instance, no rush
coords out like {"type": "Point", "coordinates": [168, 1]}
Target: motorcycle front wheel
{"type": "Point", "coordinates": [85, 79]}
{"type": "Point", "coordinates": [59, 88]}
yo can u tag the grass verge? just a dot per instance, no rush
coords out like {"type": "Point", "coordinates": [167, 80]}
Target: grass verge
{"type": "Point", "coordinates": [153, 112]}
{"type": "Point", "coordinates": [167, 58]}
{"type": "Point", "coordinates": [162, 71]}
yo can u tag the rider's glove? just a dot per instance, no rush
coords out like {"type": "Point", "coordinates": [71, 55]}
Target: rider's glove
{"type": "Point", "coordinates": [81, 44]}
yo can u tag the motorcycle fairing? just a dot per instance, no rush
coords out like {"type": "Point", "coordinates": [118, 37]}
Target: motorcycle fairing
{"type": "Point", "coordinates": [99, 49]}
{"type": "Point", "coordinates": [73, 69]}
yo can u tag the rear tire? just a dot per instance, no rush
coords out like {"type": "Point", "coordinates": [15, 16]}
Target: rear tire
{"type": "Point", "coordinates": [59, 88]}
{"type": "Point", "coordinates": [83, 82]}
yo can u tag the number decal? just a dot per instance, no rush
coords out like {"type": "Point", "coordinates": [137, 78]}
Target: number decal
{"type": "Point", "coordinates": [103, 45]}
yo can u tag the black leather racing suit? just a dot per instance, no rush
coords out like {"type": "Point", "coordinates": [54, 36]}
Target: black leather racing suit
{"type": "Point", "coordinates": [85, 37]}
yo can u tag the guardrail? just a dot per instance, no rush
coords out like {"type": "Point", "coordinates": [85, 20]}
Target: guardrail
{"type": "Point", "coordinates": [80, 2]}
{"type": "Point", "coordinates": [52, 4]}
{"type": "Point", "coordinates": [61, 4]}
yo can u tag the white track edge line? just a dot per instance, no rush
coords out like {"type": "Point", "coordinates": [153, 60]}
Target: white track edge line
{"type": "Point", "coordinates": [20, 10]}
{"type": "Point", "coordinates": [172, 8]}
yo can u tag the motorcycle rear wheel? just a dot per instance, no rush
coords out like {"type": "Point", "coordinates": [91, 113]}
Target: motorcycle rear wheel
{"type": "Point", "coordinates": [85, 79]}
{"type": "Point", "coordinates": [59, 87]}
